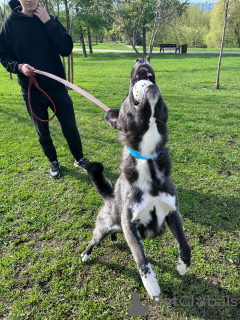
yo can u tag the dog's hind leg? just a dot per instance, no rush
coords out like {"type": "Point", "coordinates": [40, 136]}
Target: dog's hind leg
{"type": "Point", "coordinates": [105, 225]}
{"type": "Point", "coordinates": [175, 224]}
{"type": "Point", "coordinates": [98, 235]}
{"type": "Point", "coordinates": [136, 246]}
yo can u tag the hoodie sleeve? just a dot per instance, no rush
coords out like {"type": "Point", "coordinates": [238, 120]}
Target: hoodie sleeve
{"type": "Point", "coordinates": [7, 57]}
{"type": "Point", "coordinates": [60, 36]}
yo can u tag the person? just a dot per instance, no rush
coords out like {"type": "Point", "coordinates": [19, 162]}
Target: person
{"type": "Point", "coordinates": [31, 38]}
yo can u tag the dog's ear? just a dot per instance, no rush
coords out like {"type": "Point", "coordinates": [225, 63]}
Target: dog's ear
{"type": "Point", "coordinates": [112, 117]}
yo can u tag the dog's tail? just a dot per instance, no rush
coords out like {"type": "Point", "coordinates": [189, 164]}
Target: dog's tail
{"type": "Point", "coordinates": [101, 183]}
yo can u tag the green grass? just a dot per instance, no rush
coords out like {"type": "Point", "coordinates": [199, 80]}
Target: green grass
{"type": "Point", "coordinates": [213, 49]}
{"type": "Point", "coordinates": [46, 224]}
{"type": "Point", "coordinates": [106, 46]}
{"type": "Point", "coordinates": [121, 46]}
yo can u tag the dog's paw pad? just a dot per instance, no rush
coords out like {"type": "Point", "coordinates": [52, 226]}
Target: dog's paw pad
{"type": "Point", "coordinates": [85, 257]}
{"type": "Point", "coordinates": [182, 267]}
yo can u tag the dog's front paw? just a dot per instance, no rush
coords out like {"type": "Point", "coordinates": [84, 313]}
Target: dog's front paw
{"type": "Point", "coordinates": [182, 267]}
{"type": "Point", "coordinates": [85, 256]}
{"type": "Point", "coordinates": [150, 283]}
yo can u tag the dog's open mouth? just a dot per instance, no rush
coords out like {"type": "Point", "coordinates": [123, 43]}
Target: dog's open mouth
{"type": "Point", "coordinates": [142, 74]}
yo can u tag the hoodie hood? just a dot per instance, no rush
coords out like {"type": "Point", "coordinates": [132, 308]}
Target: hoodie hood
{"type": "Point", "coordinates": [16, 8]}
{"type": "Point", "coordinates": [13, 4]}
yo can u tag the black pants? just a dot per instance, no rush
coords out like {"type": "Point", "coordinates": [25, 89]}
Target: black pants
{"type": "Point", "coordinates": [65, 115]}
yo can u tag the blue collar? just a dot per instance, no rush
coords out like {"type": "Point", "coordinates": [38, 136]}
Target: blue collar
{"type": "Point", "coordinates": [139, 156]}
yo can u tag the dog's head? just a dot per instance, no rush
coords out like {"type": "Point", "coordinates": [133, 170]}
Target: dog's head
{"type": "Point", "coordinates": [142, 125]}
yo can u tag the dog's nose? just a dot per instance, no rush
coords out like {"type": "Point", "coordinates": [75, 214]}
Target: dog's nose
{"type": "Point", "coordinates": [140, 60]}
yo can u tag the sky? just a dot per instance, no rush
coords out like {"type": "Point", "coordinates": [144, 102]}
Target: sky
{"type": "Point", "coordinates": [2, 1]}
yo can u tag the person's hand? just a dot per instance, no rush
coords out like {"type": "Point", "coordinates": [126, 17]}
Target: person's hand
{"type": "Point", "coordinates": [42, 14]}
{"type": "Point", "coordinates": [24, 68]}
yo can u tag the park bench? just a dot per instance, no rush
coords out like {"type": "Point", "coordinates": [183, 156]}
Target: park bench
{"type": "Point", "coordinates": [169, 46]}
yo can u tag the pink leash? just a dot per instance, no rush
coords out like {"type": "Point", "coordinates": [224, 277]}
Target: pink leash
{"type": "Point", "coordinates": [87, 95]}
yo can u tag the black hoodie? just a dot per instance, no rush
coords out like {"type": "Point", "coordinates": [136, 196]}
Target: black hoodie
{"type": "Point", "coordinates": [25, 39]}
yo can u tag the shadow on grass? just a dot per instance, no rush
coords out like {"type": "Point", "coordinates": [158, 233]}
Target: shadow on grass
{"type": "Point", "coordinates": [204, 298]}
{"type": "Point", "coordinates": [219, 213]}
{"type": "Point", "coordinates": [77, 173]}
{"type": "Point", "coordinates": [199, 298]}
{"type": "Point", "coordinates": [12, 114]}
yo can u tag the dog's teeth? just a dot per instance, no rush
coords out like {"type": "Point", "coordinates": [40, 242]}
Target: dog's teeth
{"type": "Point", "coordinates": [149, 74]}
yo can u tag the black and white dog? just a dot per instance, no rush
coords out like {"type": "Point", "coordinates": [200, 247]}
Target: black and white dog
{"type": "Point", "coordinates": [144, 195]}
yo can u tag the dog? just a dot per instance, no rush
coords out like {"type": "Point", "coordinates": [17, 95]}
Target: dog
{"type": "Point", "coordinates": [144, 195]}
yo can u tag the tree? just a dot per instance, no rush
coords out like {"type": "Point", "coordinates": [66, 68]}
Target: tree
{"type": "Point", "coordinates": [4, 10]}
{"type": "Point", "coordinates": [184, 27]}
{"type": "Point", "coordinates": [228, 6]}
{"type": "Point", "coordinates": [130, 15]}
{"type": "Point", "coordinates": [66, 17]}
{"type": "Point", "coordinates": [164, 11]}
{"type": "Point", "coordinates": [232, 31]}
{"type": "Point", "coordinates": [90, 22]}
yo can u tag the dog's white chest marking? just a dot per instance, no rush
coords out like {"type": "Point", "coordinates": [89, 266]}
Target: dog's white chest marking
{"type": "Point", "coordinates": [150, 139]}
{"type": "Point", "coordinates": [144, 179]}
{"type": "Point", "coordinates": [163, 204]}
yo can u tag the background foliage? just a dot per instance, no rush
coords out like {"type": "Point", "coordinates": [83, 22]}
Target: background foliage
{"type": "Point", "coordinates": [186, 25]}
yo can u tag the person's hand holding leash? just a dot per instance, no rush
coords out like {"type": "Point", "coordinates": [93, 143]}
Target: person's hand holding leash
{"type": "Point", "coordinates": [24, 69]}
{"type": "Point", "coordinates": [42, 14]}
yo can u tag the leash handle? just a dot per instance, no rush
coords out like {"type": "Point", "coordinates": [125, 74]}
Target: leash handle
{"type": "Point", "coordinates": [32, 80]}
{"type": "Point", "coordinates": [75, 88]}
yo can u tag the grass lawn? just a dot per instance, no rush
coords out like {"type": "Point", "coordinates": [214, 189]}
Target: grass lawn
{"type": "Point", "coordinates": [121, 46]}
{"type": "Point", "coordinates": [105, 45]}
{"type": "Point", "coordinates": [45, 224]}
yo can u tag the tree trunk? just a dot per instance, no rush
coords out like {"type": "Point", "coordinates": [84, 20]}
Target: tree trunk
{"type": "Point", "coordinates": [226, 3]}
{"type": "Point", "coordinates": [237, 33]}
{"type": "Point", "coordinates": [82, 42]}
{"type": "Point", "coordinates": [64, 65]}
{"type": "Point", "coordinates": [72, 67]}
{"type": "Point", "coordinates": [144, 39]}
{"type": "Point", "coordinates": [69, 69]}
{"type": "Point", "coordinates": [89, 40]}
{"type": "Point", "coordinates": [68, 29]}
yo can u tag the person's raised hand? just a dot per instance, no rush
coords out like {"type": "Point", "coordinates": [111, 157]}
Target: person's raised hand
{"type": "Point", "coordinates": [42, 14]}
